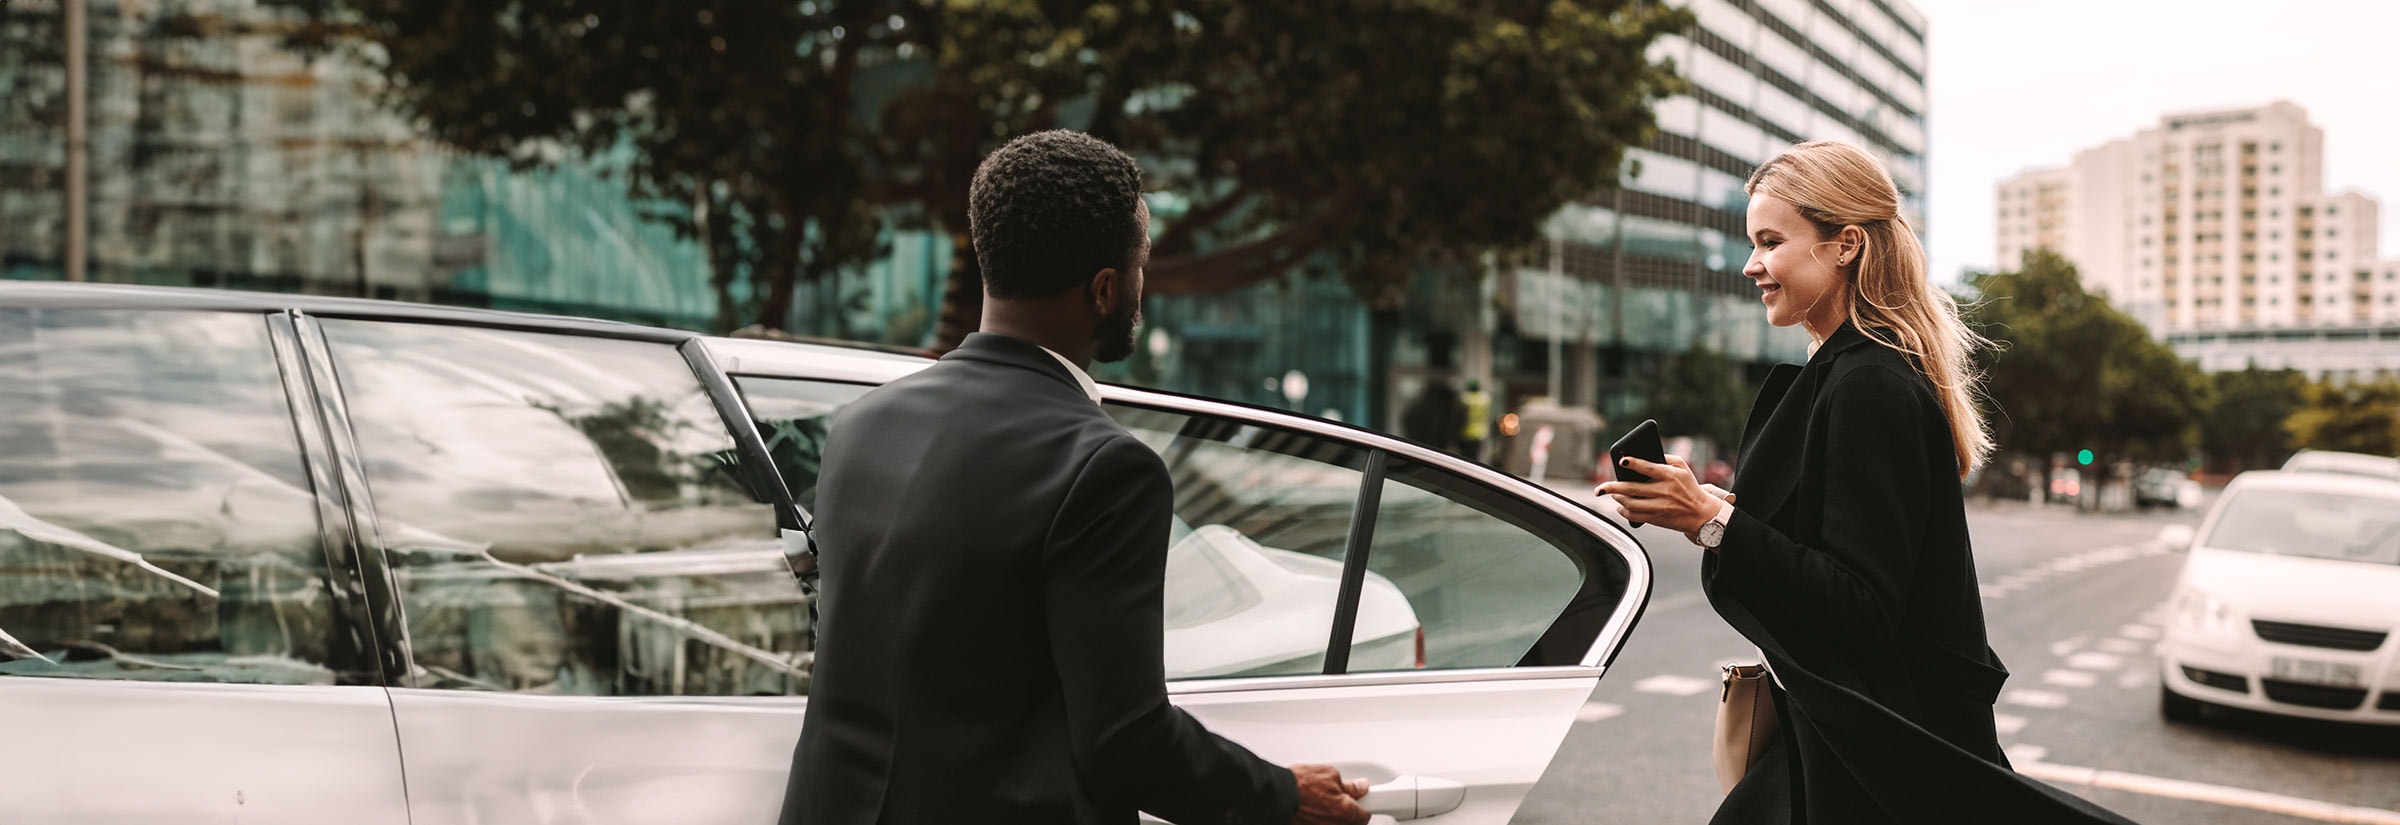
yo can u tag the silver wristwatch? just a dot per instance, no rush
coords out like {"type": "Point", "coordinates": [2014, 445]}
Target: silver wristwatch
{"type": "Point", "coordinates": [1712, 531]}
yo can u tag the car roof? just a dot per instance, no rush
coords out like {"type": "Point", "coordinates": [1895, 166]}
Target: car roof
{"type": "Point", "coordinates": [61, 295]}
{"type": "Point", "coordinates": [2344, 462]}
{"type": "Point", "coordinates": [2310, 481]}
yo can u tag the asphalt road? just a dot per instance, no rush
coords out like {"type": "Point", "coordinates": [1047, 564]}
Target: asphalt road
{"type": "Point", "coordinates": [2075, 603]}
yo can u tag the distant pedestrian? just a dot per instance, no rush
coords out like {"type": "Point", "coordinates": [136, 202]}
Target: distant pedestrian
{"type": "Point", "coordinates": [1847, 561]}
{"type": "Point", "coordinates": [1433, 418]}
{"type": "Point", "coordinates": [1476, 427]}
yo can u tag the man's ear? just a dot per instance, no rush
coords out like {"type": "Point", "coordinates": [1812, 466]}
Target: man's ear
{"type": "Point", "coordinates": [1105, 286]}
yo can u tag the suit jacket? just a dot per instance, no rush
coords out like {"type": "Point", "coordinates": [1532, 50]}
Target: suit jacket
{"type": "Point", "coordinates": [1847, 562]}
{"type": "Point", "coordinates": [992, 547]}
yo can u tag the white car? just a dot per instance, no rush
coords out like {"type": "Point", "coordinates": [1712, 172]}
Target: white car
{"type": "Point", "coordinates": [2290, 602]}
{"type": "Point", "coordinates": [299, 560]}
{"type": "Point", "coordinates": [2333, 461]}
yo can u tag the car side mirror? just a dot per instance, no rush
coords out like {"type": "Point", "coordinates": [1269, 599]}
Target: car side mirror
{"type": "Point", "coordinates": [2177, 537]}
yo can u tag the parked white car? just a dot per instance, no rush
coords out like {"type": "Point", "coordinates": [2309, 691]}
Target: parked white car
{"type": "Point", "coordinates": [2334, 461]}
{"type": "Point", "coordinates": [300, 560]}
{"type": "Point", "coordinates": [2290, 602]}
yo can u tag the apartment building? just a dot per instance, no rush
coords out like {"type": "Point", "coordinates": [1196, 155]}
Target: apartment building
{"type": "Point", "coordinates": [2214, 229]}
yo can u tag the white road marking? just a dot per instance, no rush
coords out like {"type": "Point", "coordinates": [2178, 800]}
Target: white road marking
{"type": "Point", "coordinates": [1598, 712]}
{"type": "Point", "coordinates": [2139, 631]}
{"type": "Point", "coordinates": [2008, 725]}
{"type": "Point", "coordinates": [2069, 678]}
{"type": "Point", "coordinates": [2203, 792]}
{"type": "Point", "coordinates": [2035, 698]}
{"type": "Point", "coordinates": [1674, 685]}
{"type": "Point", "coordinates": [2095, 661]}
{"type": "Point", "coordinates": [2066, 646]}
{"type": "Point", "coordinates": [1993, 592]}
{"type": "Point", "coordinates": [2133, 679]}
{"type": "Point", "coordinates": [2022, 754]}
{"type": "Point", "coordinates": [2119, 645]}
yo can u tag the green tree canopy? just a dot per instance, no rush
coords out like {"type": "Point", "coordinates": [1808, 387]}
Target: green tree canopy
{"type": "Point", "coordinates": [2072, 373]}
{"type": "Point", "coordinates": [1699, 394]}
{"type": "Point", "coordinates": [1365, 136]}
{"type": "Point", "coordinates": [2352, 417]}
{"type": "Point", "coordinates": [2243, 429]}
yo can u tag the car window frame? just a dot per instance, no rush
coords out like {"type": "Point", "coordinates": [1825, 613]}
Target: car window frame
{"type": "Point", "coordinates": [377, 580]}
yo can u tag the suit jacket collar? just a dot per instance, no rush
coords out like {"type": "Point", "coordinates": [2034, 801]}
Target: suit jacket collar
{"type": "Point", "coordinates": [1773, 440]}
{"type": "Point", "coordinates": [1011, 351]}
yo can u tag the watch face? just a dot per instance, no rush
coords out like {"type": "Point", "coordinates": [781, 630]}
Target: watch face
{"type": "Point", "coordinates": [1711, 533]}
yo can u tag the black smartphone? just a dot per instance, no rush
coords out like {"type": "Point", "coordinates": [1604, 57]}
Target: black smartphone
{"type": "Point", "coordinates": [1641, 443]}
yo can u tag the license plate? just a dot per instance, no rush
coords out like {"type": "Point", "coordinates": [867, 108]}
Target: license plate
{"type": "Point", "coordinates": [2317, 673]}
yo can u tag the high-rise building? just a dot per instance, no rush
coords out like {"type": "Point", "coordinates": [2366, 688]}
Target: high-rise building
{"type": "Point", "coordinates": [2213, 228]}
{"type": "Point", "coordinates": [1653, 270]}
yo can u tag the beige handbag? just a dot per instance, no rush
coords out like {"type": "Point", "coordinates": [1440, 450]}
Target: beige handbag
{"type": "Point", "coordinates": [1746, 722]}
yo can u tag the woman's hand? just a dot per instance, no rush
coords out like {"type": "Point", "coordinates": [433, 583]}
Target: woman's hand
{"type": "Point", "coordinates": [1672, 498]}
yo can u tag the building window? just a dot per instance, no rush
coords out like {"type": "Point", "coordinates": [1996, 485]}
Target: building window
{"type": "Point", "coordinates": [2275, 147]}
{"type": "Point", "coordinates": [2275, 170]}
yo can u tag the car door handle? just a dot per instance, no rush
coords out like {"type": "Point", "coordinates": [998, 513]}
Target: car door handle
{"type": "Point", "coordinates": [1414, 797]}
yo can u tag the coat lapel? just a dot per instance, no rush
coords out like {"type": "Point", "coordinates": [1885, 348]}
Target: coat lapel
{"type": "Point", "coordinates": [1775, 439]}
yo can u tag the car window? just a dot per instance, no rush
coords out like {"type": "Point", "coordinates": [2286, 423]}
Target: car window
{"type": "Point", "coordinates": [1485, 574]}
{"type": "Point", "coordinates": [1254, 560]}
{"type": "Point", "coordinates": [2309, 524]}
{"type": "Point", "coordinates": [562, 515]}
{"type": "Point", "coordinates": [156, 518]}
{"type": "Point", "coordinates": [795, 416]}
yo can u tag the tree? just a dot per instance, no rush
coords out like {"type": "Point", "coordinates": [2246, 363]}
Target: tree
{"type": "Point", "coordinates": [2357, 418]}
{"type": "Point", "coordinates": [1365, 138]}
{"type": "Point", "coordinates": [2243, 429]}
{"type": "Point", "coordinates": [2071, 373]}
{"type": "Point", "coordinates": [1699, 395]}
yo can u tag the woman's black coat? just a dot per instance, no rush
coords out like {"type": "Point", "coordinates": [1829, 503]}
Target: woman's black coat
{"type": "Point", "coordinates": [1847, 563]}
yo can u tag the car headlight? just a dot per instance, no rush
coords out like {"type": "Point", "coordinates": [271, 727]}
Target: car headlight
{"type": "Point", "coordinates": [2203, 613]}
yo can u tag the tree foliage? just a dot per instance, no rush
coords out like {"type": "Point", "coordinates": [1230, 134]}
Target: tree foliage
{"type": "Point", "coordinates": [2073, 373]}
{"type": "Point", "coordinates": [1363, 136]}
{"type": "Point", "coordinates": [2243, 429]}
{"type": "Point", "coordinates": [1700, 395]}
{"type": "Point", "coordinates": [2350, 417]}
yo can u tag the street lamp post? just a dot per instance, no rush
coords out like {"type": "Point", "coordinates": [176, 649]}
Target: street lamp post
{"type": "Point", "coordinates": [78, 160]}
{"type": "Point", "coordinates": [1558, 310]}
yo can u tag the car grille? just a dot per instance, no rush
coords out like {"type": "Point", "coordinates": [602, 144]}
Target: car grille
{"type": "Point", "coordinates": [2314, 696]}
{"type": "Point", "coordinates": [2390, 701]}
{"type": "Point", "coordinates": [2337, 638]}
{"type": "Point", "coordinates": [2220, 681]}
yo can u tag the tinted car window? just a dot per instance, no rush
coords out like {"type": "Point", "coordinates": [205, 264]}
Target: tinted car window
{"type": "Point", "coordinates": [562, 516]}
{"type": "Point", "coordinates": [156, 519]}
{"type": "Point", "coordinates": [1486, 574]}
{"type": "Point", "coordinates": [795, 416]}
{"type": "Point", "coordinates": [1254, 560]}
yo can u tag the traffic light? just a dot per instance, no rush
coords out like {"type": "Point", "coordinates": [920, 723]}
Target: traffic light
{"type": "Point", "coordinates": [2083, 457]}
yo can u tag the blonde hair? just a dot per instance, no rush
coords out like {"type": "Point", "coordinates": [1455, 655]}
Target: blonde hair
{"type": "Point", "coordinates": [1890, 299]}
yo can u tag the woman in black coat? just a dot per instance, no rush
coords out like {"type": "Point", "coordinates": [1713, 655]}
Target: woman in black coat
{"type": "Point", "coordinates": [1846, 560]}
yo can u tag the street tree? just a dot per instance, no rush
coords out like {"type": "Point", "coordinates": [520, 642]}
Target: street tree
{"type": "Point", "coordinates": [2361, 417]}
{"type": "Point", "coordinates": [2243, 429]}
{"type": "Point", "coordinates": [1699, 394]}
{"type": "Point", "coordinates": [2071, 373]}
{"type": "Point", "coordinates": [1366, 138]}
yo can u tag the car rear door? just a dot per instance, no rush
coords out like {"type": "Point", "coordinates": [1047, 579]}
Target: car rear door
{"type": "Point", "coordinates": [1337, 596]}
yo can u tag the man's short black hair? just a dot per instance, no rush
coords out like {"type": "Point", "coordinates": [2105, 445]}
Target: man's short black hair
{"type": "Point", "coordinates": [1050, 209]}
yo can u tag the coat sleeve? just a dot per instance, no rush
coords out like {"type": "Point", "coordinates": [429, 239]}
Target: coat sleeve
{"type": "Point", "coordinates": [1854, 579]}
{"type": "Point", "coordinates": [1105, 569]}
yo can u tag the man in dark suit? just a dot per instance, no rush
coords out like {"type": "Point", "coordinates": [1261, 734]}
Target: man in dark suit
{"type": "Point", "coordinates": [993, 553]}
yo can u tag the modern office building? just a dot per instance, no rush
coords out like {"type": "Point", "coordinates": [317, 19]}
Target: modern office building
{"type": "Point", "coordinates": [2214, 230]}
{"type": "Point", "coordinates": [1644, 274]}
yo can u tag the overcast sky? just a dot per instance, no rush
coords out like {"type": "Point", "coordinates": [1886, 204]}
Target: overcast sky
{"type": "Point", "coordinates": [2020, 84]}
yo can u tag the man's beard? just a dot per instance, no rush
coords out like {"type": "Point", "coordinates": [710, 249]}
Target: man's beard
{"type": "Point", "coordinates": [1116, 333]}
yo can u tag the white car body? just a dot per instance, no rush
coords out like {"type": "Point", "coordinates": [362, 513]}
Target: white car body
{"type": "Point", "coordinates": [2334, 623]}
{"type": "Point", "coordinates": [1459, 746]}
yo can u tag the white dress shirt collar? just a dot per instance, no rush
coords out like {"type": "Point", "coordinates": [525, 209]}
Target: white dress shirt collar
{"type": "Point", "coordinates": [1082, 379]}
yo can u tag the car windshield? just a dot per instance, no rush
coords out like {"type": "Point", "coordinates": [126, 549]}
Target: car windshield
{"type": "Point", "coordinates": [2351, 463]}
{"type": "Point", "coordinates": [2310, 524]}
